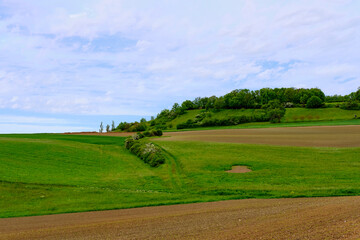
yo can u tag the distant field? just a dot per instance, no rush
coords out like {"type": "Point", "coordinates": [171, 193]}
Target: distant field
{"type": "Point", "coordinates": [324, 136]}
{"type": "Point", "coordinates": [52, 173]}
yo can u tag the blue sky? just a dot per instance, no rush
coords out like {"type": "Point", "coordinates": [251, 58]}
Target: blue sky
{"type": "Point", "coordinates": [67, 65]}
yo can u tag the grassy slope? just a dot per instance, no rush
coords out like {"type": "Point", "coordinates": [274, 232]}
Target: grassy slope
{"type": "Point", "coordinates": [293, 117]}
{"type": "Point", "coordinates": [48, 173]}
{"type": "Point", "coordinates": [40, 175]}
{"type": "Point", "coordinates": [305, 114]}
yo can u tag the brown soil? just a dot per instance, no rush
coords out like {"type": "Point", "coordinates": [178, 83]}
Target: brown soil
{"type": "Point", "coordinates": [324, 136]}
{"type": "Point", "coordinates": [116, 134]}
{"type": "Point", "coordinates": [239, 169]}
{"type": "Point", "coordinates": [302, 218]}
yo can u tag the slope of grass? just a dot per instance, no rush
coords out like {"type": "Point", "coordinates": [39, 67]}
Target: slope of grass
{"type": "Point", "coordinates": [327, 116]}
{"type": "Point", "coordinates": [306, 114]}
{"type": "Point", "coordinates": [42, 174]}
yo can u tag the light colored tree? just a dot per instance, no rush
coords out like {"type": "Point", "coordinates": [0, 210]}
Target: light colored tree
{"type": "Point", "coordinates": [101, 128]}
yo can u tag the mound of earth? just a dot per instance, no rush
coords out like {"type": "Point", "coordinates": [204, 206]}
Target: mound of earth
{"type": "Point", "coordinates": [239, 169]}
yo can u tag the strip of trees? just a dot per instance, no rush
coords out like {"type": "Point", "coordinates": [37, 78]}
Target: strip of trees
{"type": "Point", "coordinates": [273, 102]}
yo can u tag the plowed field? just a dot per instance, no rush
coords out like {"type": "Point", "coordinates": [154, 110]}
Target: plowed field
{"type": "Point", "coordinates": [302, 218]}
{"type": "Point", "coordinates": [324, 136]}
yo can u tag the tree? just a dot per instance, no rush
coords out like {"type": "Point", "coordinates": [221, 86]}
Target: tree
{"type": "Point", "coordinates": [112, 126]}
{"type": "Point", "coordinates": [143, 120]}
{"type": "Point", "coordinates": [187, 105]}
{"type": "Point", "coordinates": [101, 128]}
{"type": "Point", "coordinates": [107, 128]}
{"type": "Point", "coordinates": [274, 111]}
{"type": "Point", "coordinates": [219, 103]}
{"type": "Point", "coordinates": [314, 102]}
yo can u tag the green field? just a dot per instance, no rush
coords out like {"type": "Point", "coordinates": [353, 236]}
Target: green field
{"type": "Point", "coordinates": [294, 116]}
{"type": "Point", "coordinates": [51, 173]}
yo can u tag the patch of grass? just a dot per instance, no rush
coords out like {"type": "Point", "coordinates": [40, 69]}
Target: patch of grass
{"type": "Point", "coordinates": [319, 114]}
{"type": "Point", "coordinates": [46, 174]}
{"type": "Point", "coordinates": [100, 140]}
{"type": "Point", "coordinates": [300, 116]}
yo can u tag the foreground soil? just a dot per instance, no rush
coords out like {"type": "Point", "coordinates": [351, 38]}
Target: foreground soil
{"type": "Point", "coordinates": [318, 136]}
{"type": "Point", "coordinates": [302, 218]}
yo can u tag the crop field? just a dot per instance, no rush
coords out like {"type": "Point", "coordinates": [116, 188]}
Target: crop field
{"type": "Point", "coordinates": [313, 136]}
{"type": "Point", "coordinates": [54, 173]}
{"type": "Point", "coordinates": [296, 218]}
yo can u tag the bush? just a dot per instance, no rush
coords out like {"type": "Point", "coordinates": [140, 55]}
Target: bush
{"type": "Point", "coordinates": [229, 121]}
{"type": "Point", "coordinates": [288, 105]}
{"type": "Point", "coordinates": [153, 132]}
{"type": "Point", "coordinates": [314, 102]}
{"type": "Point", "coordinates": [350, 105]}
{"type": "Point", "coordinates": [274, 111]}
{"type": "Point", "coordinates": [148, 152]}
{"type": "Point", "coordinates": [275, 115]}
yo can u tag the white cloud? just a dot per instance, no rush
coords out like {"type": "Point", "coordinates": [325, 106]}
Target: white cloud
{"type": "Point", "coordinates": [137, 57]}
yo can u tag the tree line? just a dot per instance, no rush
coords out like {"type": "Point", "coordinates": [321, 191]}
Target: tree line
{"type": "Point", "coordinates": [272, 100]}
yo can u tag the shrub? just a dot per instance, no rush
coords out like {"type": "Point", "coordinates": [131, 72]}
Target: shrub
{"type": "Point", "coordinates": [288, 105]}
{"type": "Point", "coordinates": [350, 105]}
{"type": "Point", "coordinates": [314, 102]}
{"type": "Point", "coordinates": [148, 152]}
{"type": "Point", "coordinates": [147, 134]}
{"type": "Point", "coordinates": [275, 111]}
{"type": "Point", "coordinates": [129, 141]}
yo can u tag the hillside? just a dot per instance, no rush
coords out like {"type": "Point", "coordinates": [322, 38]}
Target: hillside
{"type": "Point", "coordinates": [242, 106]}
{"type": "Point", "coordinates": [292, 115]}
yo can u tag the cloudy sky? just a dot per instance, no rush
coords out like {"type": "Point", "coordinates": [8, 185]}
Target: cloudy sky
{"type": "Point", "coordinates": [67, 65]}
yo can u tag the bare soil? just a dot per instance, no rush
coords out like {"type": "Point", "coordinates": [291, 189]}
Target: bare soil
{"type": "Point", "coordinates": [116, 134]}
{"type": "Point", "coordinates": [319, 136]}
{"type": "Point", "coordinates": [301, 218]}
{"type": "Point", "coordinates": [239, 169]}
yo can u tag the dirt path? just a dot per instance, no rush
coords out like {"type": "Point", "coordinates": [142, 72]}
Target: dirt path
{"type": "Point", "coordinates": [324, 136]}
{"type": "Point", "coordinates": [302, 218]}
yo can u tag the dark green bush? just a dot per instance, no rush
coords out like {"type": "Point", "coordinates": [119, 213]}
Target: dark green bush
{"type": "Point", "coordinates": [314, 102]}
{"type": "Point", "coordinates": [148, 152]}
{"type": "Point", "coordinates": [274, 111]}
{"type": "Point", "coordinates": [350, 105]}
{"type": "Point", "coordinates": [229, 121]}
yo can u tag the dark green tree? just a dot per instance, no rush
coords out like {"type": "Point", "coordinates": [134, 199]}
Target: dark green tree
{"type": "Point", "coordinates": [314, 102]}
{"type": "Point", "coordinates": [274, 111]}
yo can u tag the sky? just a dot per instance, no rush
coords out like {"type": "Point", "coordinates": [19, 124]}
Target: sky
{"type": "Point", "coordinates": [68, 65]}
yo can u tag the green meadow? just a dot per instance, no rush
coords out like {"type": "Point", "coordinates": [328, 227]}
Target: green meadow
{"type": "Point", "coordinates": [293, 117]}
{"type": "Point", "coordinates": [53, 173]}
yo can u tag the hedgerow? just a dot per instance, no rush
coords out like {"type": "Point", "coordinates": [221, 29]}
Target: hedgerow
{"type": "Point", "coordinates": [146, 151]}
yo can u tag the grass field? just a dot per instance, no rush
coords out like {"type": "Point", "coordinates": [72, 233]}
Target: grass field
{"type": "Point", "coordinates": [293, 117]}
{"type": "Point", "coordinates": [52, 173]}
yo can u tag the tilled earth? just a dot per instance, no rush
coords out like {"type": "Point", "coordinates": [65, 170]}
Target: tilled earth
{"type": "Point", "coordinates": [301, 218]}
{"type": "Point", "coordinates": [324, 136]}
